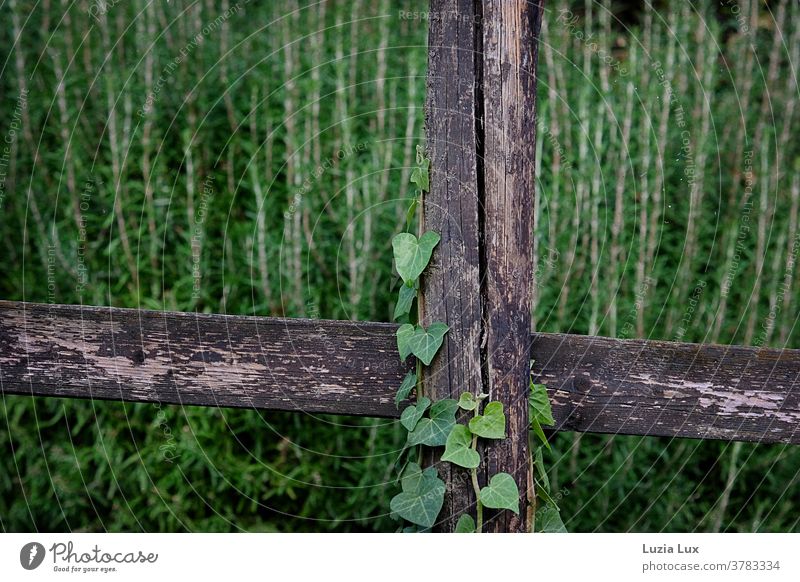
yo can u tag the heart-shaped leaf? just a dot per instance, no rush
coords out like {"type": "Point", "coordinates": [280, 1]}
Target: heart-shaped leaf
{"type": "Point", "coordinates": [539, 403]}
{"type": "Point", "coordinates": [412, 255]}
{"type": "Point", "coordinates": [409, 382]}
{"type": "Point", "coordinates": [458, 449]}
{"type": "Point", "coordinates": [426, 342]}
{"type": "Point", "coordinates": [404, 301]}
{"type": "Point", "coordinates": [467, 401]}
{"type": "Point", "coordinates": [433, 431]}
{"type": "Point", "coordinates": [413, 413]}
{"type": "Point", "coordinates": [548, 520]}
{"type": "Point", "coordinates": [465, 524]}
{"type": "Point", "coordinates": [491, 424]}
{"type": "Point", "coordinates": [404, 334]}
{"type": "Point", "coordinates": [422, 496]}
{"type": "Point", "coordinates": [501, 493]}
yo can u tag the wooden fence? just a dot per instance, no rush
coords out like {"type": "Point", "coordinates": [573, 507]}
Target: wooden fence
{"type": "Point", "coordinates": [481, 137]}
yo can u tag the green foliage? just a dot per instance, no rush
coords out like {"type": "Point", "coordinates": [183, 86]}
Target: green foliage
{"type": "Point", "coordinates": [409, 382]}
{"type": "Point", "coordinates": [501, 493]}
{"type": "Point", "coordinates": [458, 448]}
{"type": "Point", "coordinates": [422, 496]}
{"type": "Point", "coordinates": [540, 408]}
{"type": "Point", "coordinates": [421, 173]}
{"type": "Point", "coordinates": [467, 401]}
{"type": "Point", "coordinates": [432, 431]}
{"type": "Point", "coordinates": [536, 427]}
{"type": "Point", "coordinates": [491, 424]}
{"type": "Point", "coordinates": [411, 415]}
{"type": "Point", "coordinates": [405, 300]}
{"type": "Point", "coordinates": [412, 255]}
{"type": "Point", "coordinates": [404, 334]}
{"type": "Point", "coordinates": [425, 343]}
{"type": "Point", "coordinates": [465, 524]}
{"type": "Point", "coordinates": [439, 428]}
{"type": "Point", "coordinates": [548, 520]}
{"type": "Point", "coordinates": [541, 412]}
{"type": "Point", "coordinates": [540, 473]}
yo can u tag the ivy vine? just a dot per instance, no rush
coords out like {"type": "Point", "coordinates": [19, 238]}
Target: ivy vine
{"type": "Point", "coordinates": [434, 424]}
{"type": "Point", "coordinates": [547, 515]}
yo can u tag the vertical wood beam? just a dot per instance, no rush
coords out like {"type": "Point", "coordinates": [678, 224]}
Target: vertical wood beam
{"type": "Point", "coordinates": [510, 40]}
{"type": "Point", "coordinates": [451, 284]}
{"type": "Point", "coordinates": [481, 139]}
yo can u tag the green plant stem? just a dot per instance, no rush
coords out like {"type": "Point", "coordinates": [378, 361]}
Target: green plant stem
{"type": "Point", "coordinates": [475, 485]}
{"type": "Point", "coordinates": [420, 394]}
{"type": "Point", "coordinates": [477, 488]}
{"type": "Point", "coordinates": [420, 389]}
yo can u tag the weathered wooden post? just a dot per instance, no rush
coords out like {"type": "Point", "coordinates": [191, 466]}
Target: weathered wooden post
{"type": "Point", "coordinates": [481, 119]}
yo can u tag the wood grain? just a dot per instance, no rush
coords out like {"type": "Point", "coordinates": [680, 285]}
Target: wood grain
{"type": "Point", "coordinates": [599, 385]}
{"type": "Point", "coordinates": [510, 40]}
{"type": "Point", "coordinates": [210, 360]}
{"type": "Point", "coordinates": [642, 387]}
{"type": "Point", "coordinates": [451, 284]}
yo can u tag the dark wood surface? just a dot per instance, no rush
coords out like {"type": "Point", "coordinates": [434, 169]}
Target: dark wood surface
{"type": "Point", "coordinates": [598, 385]}
{"type": "Point", "coordinates": [661, 388]}
{"type": "Point", "coordinates": [451, 284]}
{"type": "Point", "coordinates": [209, 360]}
{"type": "Point", "coordinates": [510, 40]}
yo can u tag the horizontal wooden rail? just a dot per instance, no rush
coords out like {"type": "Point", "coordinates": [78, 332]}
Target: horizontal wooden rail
{"type": "Point", "coordinates": [597, 384]}
{"type": "Point", "coordinates": [206, 360]}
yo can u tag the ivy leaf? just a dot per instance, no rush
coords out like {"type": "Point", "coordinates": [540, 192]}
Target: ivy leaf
{"type": "Point", "coordinates": [412, 209]}
{"type": "Point", "coordinates": [404, 334]}
{"type": "Point", "coordinates": [422, 496]}
{"type": "Point", "coordinates": [420, 151]}
{"type": "Point", "coordinates": [467, 401]}
{"type": "Point", "coordinates": [548, 520]}
{"type": "Point", "coordinates": [542, 493]}
{"type": "Point", "coordinates": [421, 174]}
{"type": "Point", "coordinates": [539, 403]}
{"type": "Point", "coordinates": [538, 463]}
{"type": "Point", "coordinates": [409, 382]}
{"type": "Point", "coordinates": [465, 524]}
{"type": "Point", "coordinates": [421, 177]}
{"type": "Point", "coordinates": [491, 424]}
{"type": "Point", "coordinates": [412, 255]}
{"type": "Point", "coordinates": [501, 493]}
{"type": "Point", "coordinates": [404, 300]}
{"type": "Point", "coordinates": [457, 448]}
{"type": "Point", "coordinates": [426, 342]}
{"type": "Point", "coordinates": [411, 415]}
{"type": "Point", "coordinates": [433, 431]}
{"type": "Point", "coordinates": [539, 432]}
